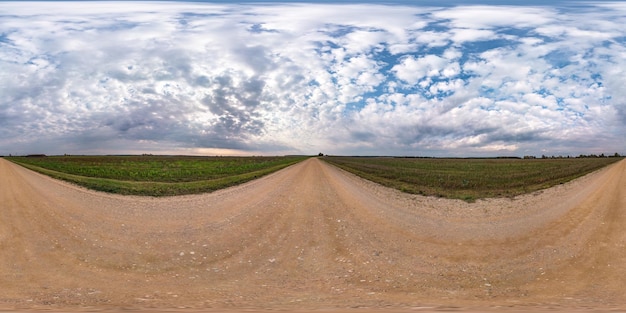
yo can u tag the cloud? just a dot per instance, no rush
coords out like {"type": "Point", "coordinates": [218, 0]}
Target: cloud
{"type": "Point", "coordinates": [178, 77]}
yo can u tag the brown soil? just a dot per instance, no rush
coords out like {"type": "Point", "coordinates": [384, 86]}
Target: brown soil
{"type": "Point", "coordinates": [311, 237]}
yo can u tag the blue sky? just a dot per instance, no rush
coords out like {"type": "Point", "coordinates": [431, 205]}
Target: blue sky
{"type": "Point", "coordinates": [428, 78]}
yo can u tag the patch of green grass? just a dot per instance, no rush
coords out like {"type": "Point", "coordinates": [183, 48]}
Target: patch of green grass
{"type": "Point", "coordinates": [155, 175]}
{"type": "Point", "coordinates": [469, 179]}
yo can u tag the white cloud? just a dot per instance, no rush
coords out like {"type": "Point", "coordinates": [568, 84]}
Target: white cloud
{"type": "Point", "coordinates": [433, 39]}
{"type": "Point", "coordinates": [490, 17]}
{"type": "Point", "coordinates": [462, 35]}
{"type": "Point", "coordinates": [412, 70]}
{"type": "Point", "coordinates": [111, 77]}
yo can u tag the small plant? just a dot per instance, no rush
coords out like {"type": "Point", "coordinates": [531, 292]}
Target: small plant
{"type": "Point", "coordinates": [156, 175]}
{"type": "Point", "coordinates": [469, 179]}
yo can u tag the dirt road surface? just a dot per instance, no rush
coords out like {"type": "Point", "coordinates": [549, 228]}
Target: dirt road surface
{"type": "Point", "coordinates": [311, 238]}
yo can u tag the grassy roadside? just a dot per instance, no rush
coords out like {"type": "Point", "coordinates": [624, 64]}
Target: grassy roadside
{"type": "Point", "coordinates": [156, 175]}
{"type": "Point", "coordinates": [469, 179]}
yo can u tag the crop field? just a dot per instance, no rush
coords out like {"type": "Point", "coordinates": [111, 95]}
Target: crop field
{"type": "Point", "coordinates": [469, 179]}
{"type": "Point", "coordinates": [155, 175]}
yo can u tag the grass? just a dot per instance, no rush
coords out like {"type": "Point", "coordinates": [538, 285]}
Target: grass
{"type": "Point", "coordinates": [469, 179]}
{"type": "Point", "coordinates": [155, 175]}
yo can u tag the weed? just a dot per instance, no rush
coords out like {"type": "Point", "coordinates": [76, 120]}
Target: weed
{"type": "Point", "coordinates": [156, 175]}
{"type": "Point", "coordinates": [469, 179]}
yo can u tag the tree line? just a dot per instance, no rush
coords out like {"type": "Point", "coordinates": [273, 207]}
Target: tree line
{"type": "Point", "coordinates": [602, 155]}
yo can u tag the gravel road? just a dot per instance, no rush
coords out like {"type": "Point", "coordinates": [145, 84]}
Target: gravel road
{"type": "Point", "coordinates": [311, 237]}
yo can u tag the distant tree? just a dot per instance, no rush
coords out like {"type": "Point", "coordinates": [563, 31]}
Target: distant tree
{"type": "Point", "coordinates": [320, 154]}
{"type": "Point", "coordinates": [616, 155]}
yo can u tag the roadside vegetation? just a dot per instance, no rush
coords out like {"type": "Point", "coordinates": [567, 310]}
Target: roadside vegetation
{"type": "Point", "coordinates": [469, 179]}
{"type": "Point", "coordinates": [155, 175]}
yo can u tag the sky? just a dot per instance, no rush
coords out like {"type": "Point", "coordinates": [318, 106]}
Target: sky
{"type": "Point", "coordinates": [411, 78]}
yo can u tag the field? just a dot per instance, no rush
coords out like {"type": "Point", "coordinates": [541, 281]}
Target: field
{"type": "Point", "coordinates": [469, 179]}
{"type": "Point", "coordinates": [155, 175]}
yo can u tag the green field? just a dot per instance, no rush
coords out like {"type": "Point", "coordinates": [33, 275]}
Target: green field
{"type": "Point", "coordinates": [155, 175]}
{"type": "Point", "coordinates": [469, 179]}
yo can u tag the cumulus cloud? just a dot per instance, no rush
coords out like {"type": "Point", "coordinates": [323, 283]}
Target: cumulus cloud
{"type": "Point", "coordinates": [178, 77]}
